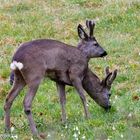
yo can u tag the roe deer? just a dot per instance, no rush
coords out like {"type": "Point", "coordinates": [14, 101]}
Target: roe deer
{"type": "Point", "coordinates": [98, 90]}
{"type": "Point", "coordinates": [63, 63]}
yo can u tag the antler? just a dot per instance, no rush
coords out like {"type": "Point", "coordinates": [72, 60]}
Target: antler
{"type": "Point", "coordinates": [90, 25]}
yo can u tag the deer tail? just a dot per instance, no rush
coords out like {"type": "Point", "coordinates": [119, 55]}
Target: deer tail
{"type": "Point", "coordinates": [16, 65]}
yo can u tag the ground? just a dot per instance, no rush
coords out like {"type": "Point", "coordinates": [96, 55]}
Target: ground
{"type": "Point", "coordinates": [118, 32]}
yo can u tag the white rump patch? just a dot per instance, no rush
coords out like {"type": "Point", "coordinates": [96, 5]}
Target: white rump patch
{"type": "Point", "coordinates": [16, 65]}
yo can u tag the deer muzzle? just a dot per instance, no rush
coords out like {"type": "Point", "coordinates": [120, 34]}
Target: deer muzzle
{"type": "Point", "coordinates": [107, 108]}
{"type": "Point", "coordinates": [103, 54]}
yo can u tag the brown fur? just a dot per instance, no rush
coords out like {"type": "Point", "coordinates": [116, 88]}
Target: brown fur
{"type": "Point", "coordinates": [64, 64]}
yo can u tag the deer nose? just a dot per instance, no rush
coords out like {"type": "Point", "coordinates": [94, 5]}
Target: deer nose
{"type": "Point", "coordinates": [103, 54]}
{"type": "Point", "coordinates": [107, 108]}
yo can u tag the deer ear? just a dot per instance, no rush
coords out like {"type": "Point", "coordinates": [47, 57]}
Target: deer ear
{"type": "Point", "coordinates": [112, 78]}
{"type": "Point", "coordinates": [107, 70]}
{"type": "Point", "coordinates": [104, 82]}
{"type": "Point", "coordinates": [82, 34]}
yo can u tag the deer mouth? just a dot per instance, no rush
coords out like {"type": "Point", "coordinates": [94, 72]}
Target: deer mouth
{"type": "Point", "coordinates": [103, 54]}
{"type": "Point", "coordinates": [107, 108]}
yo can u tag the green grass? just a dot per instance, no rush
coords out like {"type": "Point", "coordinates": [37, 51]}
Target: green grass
{"type": "Point", "coordinates": [117, 30]}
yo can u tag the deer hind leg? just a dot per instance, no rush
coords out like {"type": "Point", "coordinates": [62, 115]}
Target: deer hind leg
{"type": "Point", "coordinates": [62, 96]}
{"type": "Point", "coordinates": [19, 83]}
{"type": "Point", "coordinates": [32, 89]}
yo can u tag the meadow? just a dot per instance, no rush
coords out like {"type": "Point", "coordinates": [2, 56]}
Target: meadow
{"type": "Point", "coordinates": [117, 30]}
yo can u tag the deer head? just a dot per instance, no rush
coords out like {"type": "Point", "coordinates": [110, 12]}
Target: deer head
{"type": "Point", "coordinates": [98, 90]}
{"type": "Point", "coordinates": [88, 43]}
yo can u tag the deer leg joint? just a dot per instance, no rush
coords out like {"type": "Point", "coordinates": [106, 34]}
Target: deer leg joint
{"type": "Point", "coordinates": [27, 112]}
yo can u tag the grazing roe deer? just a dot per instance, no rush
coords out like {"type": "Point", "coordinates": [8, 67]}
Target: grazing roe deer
{"type": "Point", "coordinates": [64, 64]}
{"type": "Point", "coordinates": [98, 90]}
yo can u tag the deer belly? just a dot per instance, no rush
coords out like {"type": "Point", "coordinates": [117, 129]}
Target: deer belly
{"type": "Point", "coordinates": [58, 76]}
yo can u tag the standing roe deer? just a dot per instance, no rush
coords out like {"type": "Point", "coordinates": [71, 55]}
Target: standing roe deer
{"type": "Point", "coordinates": [64, 64]}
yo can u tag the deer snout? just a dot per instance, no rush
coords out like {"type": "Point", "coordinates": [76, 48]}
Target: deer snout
{"type": "Point", "coordinates": [103, 54]}
{"type": "Point", "coordinates": [107, 108]}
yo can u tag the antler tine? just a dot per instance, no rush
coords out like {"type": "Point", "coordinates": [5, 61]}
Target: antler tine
{"type": "Point", "coordinates": [87, 24]}
{"type": "Point", "coordinates": [93, 22]}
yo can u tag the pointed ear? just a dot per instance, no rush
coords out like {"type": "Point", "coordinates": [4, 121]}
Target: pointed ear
{"type": "Point", "coordinates": [82, 34]}
{"type": "Point", "coordinates": [107, 70]}
{"type": "Point", "coordinates": [112, 78]}
{"type": "Point", "coordinates": [90, 25]}
{"type": "Point", "coordinates": [104, 82]}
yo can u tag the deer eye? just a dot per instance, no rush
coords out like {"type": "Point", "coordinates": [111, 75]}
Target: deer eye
{"type": "Point", "coordinates": [95, 43]}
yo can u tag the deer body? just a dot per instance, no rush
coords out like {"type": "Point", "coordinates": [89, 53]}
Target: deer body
{"type": "Point", "coordinates": [56, 60]}
{"type": "Point", "coordinates": [64, 64]}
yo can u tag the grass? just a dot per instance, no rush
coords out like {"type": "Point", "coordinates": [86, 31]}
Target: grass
{"type": "Point", "coordinates": [117, 29]}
